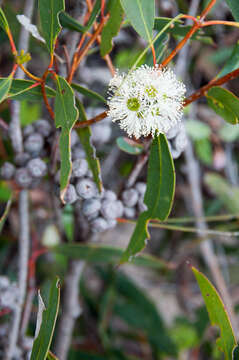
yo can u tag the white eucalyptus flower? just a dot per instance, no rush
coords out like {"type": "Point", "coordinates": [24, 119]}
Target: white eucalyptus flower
{"type": "Point", "coordinates": [145, 101]}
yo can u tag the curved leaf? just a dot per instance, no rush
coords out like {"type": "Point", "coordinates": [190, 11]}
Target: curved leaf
{"type": "Point", "coordinates": [141, 14]}
{"type": "Point", "coordinates": [49, 10]}
{"type": "Point", "coordinates": [160, 181]}
{"type": "Point", "coordinates": [112, 27]}
{"type": "Point", "coordinates": [232, 63]}
{"type": "Point", "coordinates": [66, 115]}
{"type": "Point", "coordinates": [87, 92]}
{"type": "Point", "coordinates": [217, 314]}
{"type": "Point", "coordinates": [105, 254]}
{"type": "Point", "coordinates": [23, 90]}
{"type": "Point", "coordinates": [3, 21]}
{"type": "Point", "coordinates": [5, 85]}
{"type": "Point", "coordinates": [234, 7]}
{"type": "Point", "coordinates": [85, 138]}
{"type": "Point", "coordinates": [224, 103]}
{"type": "Point", "coordinates": [42, 343]}
{"type": "Point", "coordinates": [159, 194]}
{"type": "Point", "coordinates": [69, 22]}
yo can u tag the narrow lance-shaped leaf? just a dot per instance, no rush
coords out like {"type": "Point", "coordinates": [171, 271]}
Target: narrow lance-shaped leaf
{"type": "Point", "coordinates": [85, 138]}
{"type": "Point", "coordinates": [178, 30]}
{"type": "Point", "coordinates": [49, 11]}
{"type": "Point", "coordinates": [105, 254]}
{"type": "Point", "coordinates": [87, 92]}
{"type": "Point", "coordinates": [224, 103]}
{"type": "Point", "coordinates": [69, 22]}
{"type": "Point", "coordinates": [234, 7]}
{"type": "Point", "coordinates": [217, 314]}
{"type": "Point", "coordinates": [232, 63]}
{"type": "Point", "coordinates": [3, 21]}
{"type": "Point", "coordinates": [141, 14]}
{"type": "Point", "coordinates": [5, 85]}
{"type": "Point", "coordinates": [66, 115]}
{"type": "Point", "coordinates": [112, 27]}
{"type": "Point", "coordinates": [25, 90]}
{"type": "Point", "coordinates": [42, 343]}
{"type": "Point", "coordinates": [159, 194]}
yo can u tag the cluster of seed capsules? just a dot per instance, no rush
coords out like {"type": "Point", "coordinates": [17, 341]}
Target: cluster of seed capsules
{"type": "Point", "coordinates": [29, 167]}
{"type": "Point", "coordinates": [101, 210]}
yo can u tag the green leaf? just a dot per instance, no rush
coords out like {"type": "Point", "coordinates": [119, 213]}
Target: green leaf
{"type": "Point", "coordinates": [5, 214]}
{"type": "Point", "coordinates": [228, 194]}
{"type": "Point", "coordinates": [103, 254]}
{"type": "Point", "coordinates": [3, 21]}
{"type": "Point", "coordinates": [229, 133]}
{"type": "Point", "coordinates": [5, 85]}
{"type": "Point", "coordinates": [234, 7]}
{"type": "Point", "coordinates": [217, 314]}
{"type": "Point", "coordinates": [224, 103]}
{"type": "Point", "coordinates": [112, 27]}
{"type": "Point", "coordinates": [160, 47]}
{"type": "Point", "coordinates": [49, 11]}
{"type": "Point", "coordinates": [141, 15]}
{"type": "Point", "coordinates": [203, 150]}
{"type": "Point", "coordinates": [160, 181]}
{"type": "Point", "coordinates": [178, 29]}
{"type": "Point", "coordinates": [70, 23]}
{"type": "Point", "coordinates": [197, 130]}
{"type": "Point", "coordinates": [232, 63]}
{"type": "Point", "coordinates": [66, 115]}
{"type": "Point", "coordinates": [29, 112]}
{"type": "Point", "coordinates": [42, 343]}
{"type": "Point", "coordinates": [159, 194]}
{"type": "Point", "coordinates": [87, 92]}
{"type": "Point", "coordinates": [134, 307]}
{"type": "Point", "coordinates": [129, 146]}
{"type": "Point", "coordinates": [85, 138]}
{"type": "Point", "coordinates": [21, 90]}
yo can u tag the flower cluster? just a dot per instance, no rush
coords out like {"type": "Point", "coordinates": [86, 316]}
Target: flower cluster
{"type": "Point", "coordinates": [145, 101]}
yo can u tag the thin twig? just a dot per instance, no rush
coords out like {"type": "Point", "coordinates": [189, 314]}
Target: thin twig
{"type": "Point", "coordinates": [82, 124]}
{"type": "Point", "coordinates": [141, 161]}
{"type": "Point", "coordinates": [71, 308]}
{"type": "Point", "coordinates": [196, 26]}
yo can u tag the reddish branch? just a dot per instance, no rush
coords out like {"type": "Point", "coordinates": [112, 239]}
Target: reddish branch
{"type": "Point", "coordinates": [201, 92]}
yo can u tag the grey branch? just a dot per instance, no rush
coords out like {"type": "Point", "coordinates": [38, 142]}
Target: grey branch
{"type": "Point", "coordinates": [15, 134]}
{"type": "Point", "coordinates": [22, 276]}
{"type": "Point", "coordinates": [71, 309]}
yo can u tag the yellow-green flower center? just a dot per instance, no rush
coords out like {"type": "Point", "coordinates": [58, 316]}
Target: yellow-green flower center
{"type": "Point", "coordinates": [151, 91]}
{"type": "Point", "coordinates": [133, 104]}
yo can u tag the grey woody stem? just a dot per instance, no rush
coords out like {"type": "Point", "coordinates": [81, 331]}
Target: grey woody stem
{"type": "Point", "coordinates": [15, 134]}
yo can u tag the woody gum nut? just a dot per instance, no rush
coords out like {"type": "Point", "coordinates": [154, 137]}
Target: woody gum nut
{"type": "Point", "coordinates": [37, 168]}
{"type": "Point", "coordinates": [7, 171]}
{"type": "Point", "coordinates": [86, 188]}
